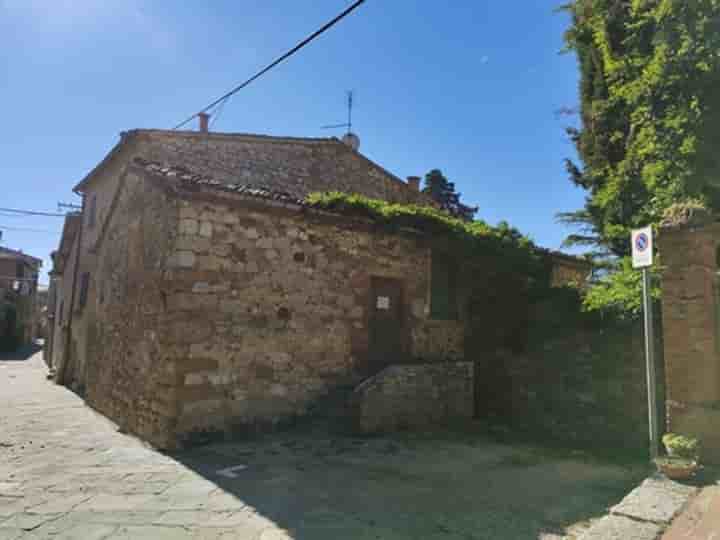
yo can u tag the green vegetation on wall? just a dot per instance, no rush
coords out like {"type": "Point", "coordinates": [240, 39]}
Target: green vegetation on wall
{"type": "Point", "coordinates": [501, 272]}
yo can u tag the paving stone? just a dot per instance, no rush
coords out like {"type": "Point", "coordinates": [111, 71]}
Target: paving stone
{"type": "Point", "coordinates": [621, 528]}
{"type": "Point", "coordinates": [234, 519]}
{"type": "Point", "coordinates": [225, 534]}
{"type": "Point", "coordinates": [104, 502]}
{"type": "Point", "coordinates": [701, 519]}
{"type": "Point", "coordinates": [182, 517]}
{"type": "Point", "coordinates": [86, 531]}
{"type": "Point", "coordinates": [145, 488]}
{"type": "Point", "coordinates": [196, 488]}
{"type": "Point", "coordinates": [10, 506]}
{"type": "Point", "coordinates": [59, 505]}
{"type": "Point", "coordinates": [10, 489]}
{"type": "Point", "coordinates": [164, 502]}
{"type": "Point", "coordinates": [225, 501]}
{"type": "Point", "coordinates": [26, 521]}
{"type": "Point", "coordinates": [151, 533]}
{"type": "Point", "coordinates": [126, 517]}
{"type": "Point", "coordinates": [657, 500]}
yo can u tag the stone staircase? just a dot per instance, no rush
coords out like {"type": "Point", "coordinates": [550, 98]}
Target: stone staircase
{"type": "Point", "coordinates": [332, 413]}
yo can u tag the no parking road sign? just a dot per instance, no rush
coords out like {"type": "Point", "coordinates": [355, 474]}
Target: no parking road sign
{"type": "Point", "coordinates": [642, 247]}
{"type": "Point", "coordinates": [642, 257]}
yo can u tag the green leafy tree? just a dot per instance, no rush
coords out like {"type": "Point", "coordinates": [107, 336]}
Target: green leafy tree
{"type": "Point", "coordinates": [649, 116]}
{"type": "Point", "coordinates": [443, 192]}
{"type": "Point", "coordinates": [650, 111]}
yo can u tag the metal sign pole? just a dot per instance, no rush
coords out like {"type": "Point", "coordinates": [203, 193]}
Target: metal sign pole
{"type": "Point", "coordinates": [650, 360]}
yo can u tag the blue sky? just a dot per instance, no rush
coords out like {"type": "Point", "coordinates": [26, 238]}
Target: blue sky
{"type": "Point", "coordinates": [470, 87]}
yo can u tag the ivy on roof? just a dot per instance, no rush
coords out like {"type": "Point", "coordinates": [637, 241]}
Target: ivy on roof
{"type": "Point", "coordinates": [470, 238]}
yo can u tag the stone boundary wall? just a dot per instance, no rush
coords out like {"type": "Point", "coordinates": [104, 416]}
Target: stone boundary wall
{"type": "Point", "coordinates": [691, 316]}
{"type": "Point", "coordinates": [588, 387]}
{"type": "Point", "coordinates": [414, 396]}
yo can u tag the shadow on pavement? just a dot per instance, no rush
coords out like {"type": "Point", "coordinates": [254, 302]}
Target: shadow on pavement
{"type": "Point", "coordinates": [21, 354]}
{"type": "Point", "coordinates": [323, 487]}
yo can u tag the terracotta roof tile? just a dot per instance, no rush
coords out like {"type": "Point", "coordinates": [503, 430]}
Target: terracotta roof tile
{"type": "Point", "coordinates": [185, 176]}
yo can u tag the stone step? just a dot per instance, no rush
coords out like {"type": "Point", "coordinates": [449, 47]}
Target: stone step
{"type": "Point", "coordinates": [332, 411]}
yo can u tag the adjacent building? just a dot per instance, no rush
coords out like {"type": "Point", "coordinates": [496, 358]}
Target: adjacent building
{"type": "Point", "coordinates": [63, 281]}
{"type": "Point", "coordinates": [18, 290]}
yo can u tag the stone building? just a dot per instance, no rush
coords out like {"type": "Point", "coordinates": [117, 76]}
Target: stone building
{"type": "Point", "coordinates": [690, 249]}
{"type": "Point", "coordinates": [209, 297]}
{"type": "Point", "coordinates": [62, 280]}
{"type": "Point", "coordinates": [18, 290]}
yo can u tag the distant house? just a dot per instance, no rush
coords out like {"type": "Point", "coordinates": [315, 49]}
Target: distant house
{"type": "Point", "coordinates": [18, 288]}
{"type": "Point", "coordinates": [62, 281]}
{"type": "Point", "coordinates": [210, 297]}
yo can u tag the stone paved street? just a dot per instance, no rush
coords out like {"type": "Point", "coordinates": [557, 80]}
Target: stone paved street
{"type": "Point", "coordinates": [66, 473]}
{"type": "Point", "coordinates": [701, 519]}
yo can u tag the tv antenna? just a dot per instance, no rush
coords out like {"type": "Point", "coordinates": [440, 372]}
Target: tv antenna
{"type": "Point", "coordinates": [347, 124]}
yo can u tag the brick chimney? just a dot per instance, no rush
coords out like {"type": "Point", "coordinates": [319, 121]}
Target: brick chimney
{"type": "Point", "coordinates": [414, 182]}
{"type": "Point", "coordinates": [203, 117]}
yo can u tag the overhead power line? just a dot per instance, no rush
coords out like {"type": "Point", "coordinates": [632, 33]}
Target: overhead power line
{"type": "Point", "coordinates": [285, 56]}
{"type": "Point", "coordinates": [9, 228]}
{"type": "Point", "coordinates": [30, 212]}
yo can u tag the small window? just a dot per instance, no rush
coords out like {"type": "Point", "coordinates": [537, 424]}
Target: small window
{"type": "Point", "coordinates": [84, 286]}
{"type": "Point", "coordinates": [19, 269]}
{"type": "Point", "coordinates": [61, 314]}
{"type": "Point", "coordinates": [92, 211]}
{"type": "Point", "coordinates": [443, 289]}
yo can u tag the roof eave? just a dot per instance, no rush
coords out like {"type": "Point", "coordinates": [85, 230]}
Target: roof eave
{"type": "Point", "coordinates": [125, 137]}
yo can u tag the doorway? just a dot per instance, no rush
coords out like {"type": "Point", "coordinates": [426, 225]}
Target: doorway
{"type": "Point", "coordinates": [387, 331]}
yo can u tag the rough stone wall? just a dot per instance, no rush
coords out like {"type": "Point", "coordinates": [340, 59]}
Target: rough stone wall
{"type": "Point", "coordinates": [690, 307]}
{"type": "Point", "coordinates": [81, 323]}
{"type": "Point", "coordinates": [128, 374]}
{"type": "Point", "coordinates": [268, 310]}
{"type": "Point", "coordinates": [62, 315]}
{"type": "Point", "coordinates": [587, 387]}
{"type": "Point", "coordinates": [414, 396]}
{"type": "Point", "coordinates": [8, 270]}
{"type": "Point", "coordinates": [297, 166]}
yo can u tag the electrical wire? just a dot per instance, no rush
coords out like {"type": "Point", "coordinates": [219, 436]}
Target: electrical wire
{"type": "Point", "coordinates": [285, 56]}
{"type": "Point", "coordinates": [30, 212]}
{"type": "Point", "coordinates": [26, 229]}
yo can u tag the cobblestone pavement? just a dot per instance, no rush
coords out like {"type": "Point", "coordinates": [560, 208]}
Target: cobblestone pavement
{"type": "Point", "coordinates": [645, 512]}
{"type": "Point", "coordinates": [701, 519]}
{"type": "Point", "coordinates": [66, 473]}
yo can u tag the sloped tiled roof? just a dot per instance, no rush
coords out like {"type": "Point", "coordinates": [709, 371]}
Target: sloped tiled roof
{"type": "Point", "coordinates": [188, 177]}
{"type": "Point", "coordinates": [7, 253]}
{"type": "Point", "coordinates": [295, 166]}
